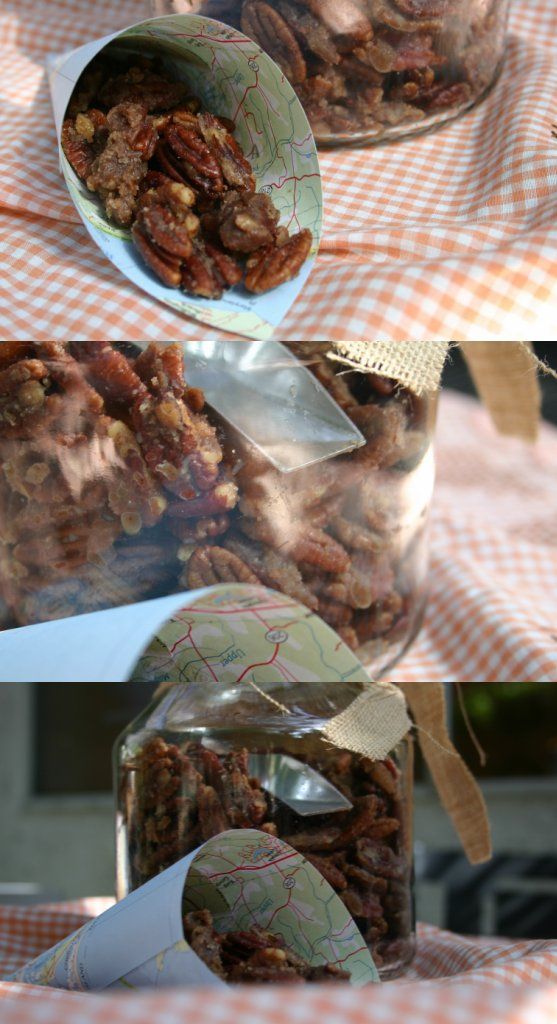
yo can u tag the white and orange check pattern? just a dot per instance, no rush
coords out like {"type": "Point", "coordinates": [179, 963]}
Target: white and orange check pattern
{"type": "Point", "coordinates": [492, 613]}
{"type": "Point", "coordinates": [452, 235]}
{"type": "Point", "coordinates": [454, 980]}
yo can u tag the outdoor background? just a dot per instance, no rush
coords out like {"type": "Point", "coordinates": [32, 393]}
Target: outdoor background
{"type": "Point", "coordinates": [57, 816]}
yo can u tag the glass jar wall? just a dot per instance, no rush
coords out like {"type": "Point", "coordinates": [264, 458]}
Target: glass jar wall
{"type": "Point", "coordinates": [373, 70]}
{"type": "Point", "coordinates": [204, 758]}
{"type": "Point", "coordinates": [118, 484]}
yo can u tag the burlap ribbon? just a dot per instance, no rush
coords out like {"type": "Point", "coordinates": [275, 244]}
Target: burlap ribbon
{"type": "Point", "coordinates": [376, 722]}
{"type": "Point", "coordinates": [504, 372]}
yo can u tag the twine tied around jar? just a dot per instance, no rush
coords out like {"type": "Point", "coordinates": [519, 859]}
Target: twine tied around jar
{"type": "Point", "coordinates": [504, 372]}
{"type": "Point", "coordinates": [375, 723]}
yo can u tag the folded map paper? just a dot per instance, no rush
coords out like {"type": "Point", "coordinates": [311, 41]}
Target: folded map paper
{"type": "Point", "coordinates": [226, 633]}
{"type": "Point", "coordinates": [245, 877]}
{"type": "Point", "coordinates": [233, 77]}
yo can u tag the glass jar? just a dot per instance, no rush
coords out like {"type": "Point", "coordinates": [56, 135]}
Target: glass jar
{"type": "Point", "coordinates": [117, 485]}
{"type": "Point", "coordinates": [204, 758]}
{"type": "Point", "coordinates": [373, 70]}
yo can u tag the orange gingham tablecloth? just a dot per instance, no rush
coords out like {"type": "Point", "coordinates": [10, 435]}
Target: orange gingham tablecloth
{"type": "Point", "coordinates": [454, 980]}
{"type": "Point", "coordinates": [452, 235]}
{"type": "Point", "coordinates": [492, 614]}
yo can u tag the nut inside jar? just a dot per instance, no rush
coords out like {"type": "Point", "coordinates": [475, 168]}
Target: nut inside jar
{"type": "Point", "coordinates": [176, 795]}
{"type": "Point", "coordinates": [372, 69]}
{"type": "Point", "coordinates": [118, 483]}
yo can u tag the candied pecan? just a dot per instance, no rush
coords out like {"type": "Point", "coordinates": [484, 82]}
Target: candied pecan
{"type": "Point", "coordinates": [235, 167]}
{"type": "Point", "coordinates": [238, 946]}
{"type": "Point", "coordinates": [162, 369]}
{"type": "Point", "coordinates": [108, 371]}
{"type": "Point", "coordinates": [344, 19]}
{"type": "Point", "coordinates": [383, 427]}
{"type": "Point", "coordinates": [303, 543]}
{"type": "Point", "coordinates": [362, 904]}
{"type": "Point", "coordinates": [205, 528]}
{"type": "Point", "coordinates": [208, 271]}
{"type": "Point", "coordinates": [141, 85]}
{"type": "Point", "coordinates": [23, 391]}
{"type": "Point", "coordinates": [272, 569]}
{"type": "Point", "coordinates": [87, 88]}
{"type": "Point", "coordinates": [132, 495]}
{"type": "Point", "coordinates": [244, 804]}
{"type": "Point", "coordinates": [309, 31]}
{"type": "Point", "coordinates": [263, 23]}
{"type": "Point", "coordinates": [424, 8]}
{"type": "Point", "coordinates": [165, 216]}
{"type": "Point", "coordinates": [185, 155]}
{"type": "Point", "coordinates": [331, 873]}
{"type": "Point", "coordinates": [365, 880]}
{"type": "Point", "coordinates": [165, 228]}
{"type": "Point", "coordinates": [221, 498]}
{"type": "Point", "coordinates": [246, 221]}
{"type": "Point", "coordinates": [393, 14]}
{"type": "Point", "coordinates": [275, 264]}
{"type": "Point", "coordinates": [361, 820]}
{"type": "Point", "coordinates": [391, 51]}
{"type": "Point", "coordinates": [379, 858]}
{"type": "Point", "coordinates": [201, 936]}
{"type": "Point", "coordinates": [354, 587]}
{"type": "Point", "coordinates": [116, 173]}
{"type": "Point", "coordinates": [168, 268]}
{"type": "Point", "coordinates": [327, 973]}
{"type": "Point", "coordinates": [385, 774]}
{"type": "Point", "coordinates": [318, 841]}
{"type": "Point", "coordinates": [354, 535]}
{"type": "Point", "coordinates": [67, 547]}
{"type": "Point", "coordinates": [212, 817]}
{"type": "Point", "coordinates": [82, 139]}
{"type": "Point", "coordinates": [210, 565]}
{"type": "Point", "coordinates": [441, 95]}
{"type": "Point", "coordinates": [13, 351]}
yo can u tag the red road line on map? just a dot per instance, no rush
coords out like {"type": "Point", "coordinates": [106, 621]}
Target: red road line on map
{"type": "Point", "coordinates": [256, 867]}
{"type": "Point", "coordinates": [362, 949]}
{"type": "Point", "coordinates": [276, 910]}
{"type": "Point", "coordinates": [232, 611]}
{"type": "Point", "coordinates": [189, 637]}
{"type": "Point", "coordinates": [259, 664]}
{"type": "Point", "coordinates": [296, 178]}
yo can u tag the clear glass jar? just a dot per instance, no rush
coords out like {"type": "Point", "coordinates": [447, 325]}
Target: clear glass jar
{"type": "Point", "coordinates": [118, 485]}
{"type": "Point", "coordinates": [187, 769]}
{"type": "Point", "coordinates": [373, 70]}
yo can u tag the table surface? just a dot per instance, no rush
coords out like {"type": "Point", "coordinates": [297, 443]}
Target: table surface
{"type": "Point", "coordinates": [492, 610]}
{"type": "Point", "coordinates": [449, 235]}
{"type": "Point", "coordinates": [454, 980]}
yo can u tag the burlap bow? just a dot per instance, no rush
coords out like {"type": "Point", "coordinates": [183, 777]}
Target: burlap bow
{"type": "Point", "coordinates": [504, 372]}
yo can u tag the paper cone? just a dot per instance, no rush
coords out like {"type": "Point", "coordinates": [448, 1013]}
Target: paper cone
{"type": "Point", "coordinates": [242, 877]}
{"type": "Point", "coordinates": [233, 77]}
{"type": "Point", "coordinates": [226, 633]}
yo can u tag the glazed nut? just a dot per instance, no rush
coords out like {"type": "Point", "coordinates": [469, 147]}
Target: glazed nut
{"type": "Point", "coordinates": [275, 265]}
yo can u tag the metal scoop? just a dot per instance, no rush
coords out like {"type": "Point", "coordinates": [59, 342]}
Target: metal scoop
{"type": "Point", "coordinates": [300, 787]}
{"type": "Point", "coordinates": [266, 394]}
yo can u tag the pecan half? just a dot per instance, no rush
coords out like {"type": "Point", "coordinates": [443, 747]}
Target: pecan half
{"type": "Point", "coordinates": [246, 221]}
{"type": "Point", "coordinates": [210, 565]}
{"type": "Point", "coordinates": [165, 228]}
{"type": "Point", "coordinates": [235, 167]}
{"type": "Point", "coordinates": [274, 265]}
{"type": "Point", "coordinates": [208, 271]}
{"type": "Point", "coordinates": [344, 19]}
{"type": "Point", "coordinates": [261, 22]}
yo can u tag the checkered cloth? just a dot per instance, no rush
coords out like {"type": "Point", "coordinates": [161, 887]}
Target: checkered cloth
{"type": "Point", "coordinates": [452, 235]}
{"type": "Point", "coordinates": [453, 980]}
{"type": "Point", "coordinates": [493, 606]}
